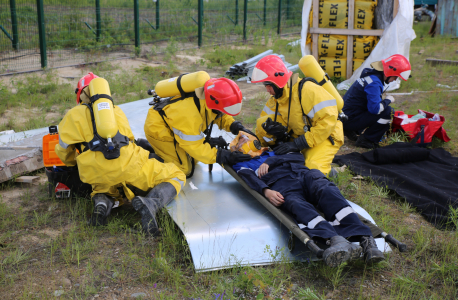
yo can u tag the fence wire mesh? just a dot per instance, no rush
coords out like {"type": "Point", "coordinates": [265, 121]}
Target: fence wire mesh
{"type": "Point", "coordinates": [84, 31]}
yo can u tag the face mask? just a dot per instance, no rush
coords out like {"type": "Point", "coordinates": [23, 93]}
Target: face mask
{"type": "Point", "coordinates": [247, 145]}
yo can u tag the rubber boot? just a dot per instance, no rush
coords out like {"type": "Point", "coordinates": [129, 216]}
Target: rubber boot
{"type": "Point", "coordinates": [148, 206]}
{"type": "Point", "coordinates": [372, 254]}
{"type": "Point", "coordinates": [102, 209]}
{"type": "Point", "coordinates": [351, 135]}
{"type": "Point", "coordinates": [340, 251]}
{"type": "Point", "coordinates": [363, 142]}
{"type": "Point", "coordinates": [333, 173]}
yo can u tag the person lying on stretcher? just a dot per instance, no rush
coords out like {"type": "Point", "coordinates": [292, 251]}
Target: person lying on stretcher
{"type": "Point", "coordinates": [300, 191]}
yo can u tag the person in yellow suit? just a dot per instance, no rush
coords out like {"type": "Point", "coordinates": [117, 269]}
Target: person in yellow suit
{"type": "Point", "coordinates": [116, 161]}
{"type": "Point", "coordinates": [297, 117]}
{"type": "Point", "coordinates": [178, 130]}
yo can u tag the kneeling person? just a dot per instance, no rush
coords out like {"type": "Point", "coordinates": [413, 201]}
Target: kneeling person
{"type": "Point", "coordinates": [364, 106]}
{"type": "Point", "coordinates": [108, 159]}
{"type": "Point", "coordinates": [288, 184]}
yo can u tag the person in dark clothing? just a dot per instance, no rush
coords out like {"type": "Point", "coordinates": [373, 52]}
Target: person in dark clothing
{"type": "Point", "coordinates": [300, 191]}
{"type": "Point", "coordinates": [363, 103]}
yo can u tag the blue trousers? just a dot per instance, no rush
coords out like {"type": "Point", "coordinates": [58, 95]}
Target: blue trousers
{"type": "Point", "coordinates": [308, 190]}
{"type": "Point", "coordinates": [376, 125]}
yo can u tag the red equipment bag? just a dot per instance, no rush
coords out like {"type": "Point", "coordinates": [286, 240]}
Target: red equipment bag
{"type": "Point", "coordinates": [422, 131]}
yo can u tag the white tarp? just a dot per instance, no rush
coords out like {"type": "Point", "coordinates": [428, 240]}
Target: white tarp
{"type": "Point", "coordinates": [395, 40]}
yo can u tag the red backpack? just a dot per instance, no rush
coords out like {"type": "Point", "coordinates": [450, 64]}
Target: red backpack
{"type": "Point", "coordinates": [422, 131]}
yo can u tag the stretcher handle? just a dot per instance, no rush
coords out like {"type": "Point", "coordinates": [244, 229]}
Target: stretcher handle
{"type": "Point", "coordinates": [314, 248]}
{"type": "Point", "coordinates": [390, 239]}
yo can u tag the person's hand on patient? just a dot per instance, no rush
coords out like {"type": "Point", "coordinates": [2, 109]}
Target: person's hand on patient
{"type": "Point", "coordinates": [274, 197]}
{"type": "Point", "coordinates": [263, 169]}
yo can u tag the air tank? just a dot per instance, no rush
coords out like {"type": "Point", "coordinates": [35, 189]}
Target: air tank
{"type": "Point", "coordinates": [105, 120]}
{"type": "Point", "coordinates": [189, 82]}
{"type": "Point", "coordinates": [310, 67]}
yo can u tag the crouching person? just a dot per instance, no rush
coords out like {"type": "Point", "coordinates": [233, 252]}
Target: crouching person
{"type": "Point", "coordinates": [366, 110]}
{"type": "Point", "coordinates": [97, 137]}
{"type": "Point", "coordinates": [289, 185]}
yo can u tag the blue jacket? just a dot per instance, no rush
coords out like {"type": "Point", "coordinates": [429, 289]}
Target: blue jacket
{"type": "Point", "coordinates": [365, 94]}
{"type": "Point", "coordinates": [287, 165]}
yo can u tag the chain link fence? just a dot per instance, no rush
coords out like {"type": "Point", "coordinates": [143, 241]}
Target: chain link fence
{"type": "Point", "coordinates": [54, 33]}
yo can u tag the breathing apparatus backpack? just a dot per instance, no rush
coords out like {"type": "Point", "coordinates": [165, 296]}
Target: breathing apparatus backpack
{"type": "Point", "coordinates": [107, 138]}
{"type": "Point", "coordinates": [313, 72]}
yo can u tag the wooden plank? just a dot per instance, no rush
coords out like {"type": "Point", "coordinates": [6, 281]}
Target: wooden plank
{"type": "Point", "coordinates": [434, 62]}
{"type": "Point", "coordinates": [395, 8]}
{"type": "Point", "coordinates": [28, 179]}
{"type": "Point", "coordinates": [374, 32]}
{"type": "Point", "coordinates": [315, 22]}
{"type": "Point", "coordinates": [351, 26]}
{"type": "Point", "coordinates": [21, 165]}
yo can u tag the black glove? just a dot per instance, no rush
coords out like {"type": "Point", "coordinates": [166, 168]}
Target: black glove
{"type": "Point", "coordinates": [224, 156]}
{"type": "Point", "coordinates": [144, 144]}
{"type": "Point", "coordinates": [237, 126]}
{"type": "Point", "coordinates": [275, 128]}
{"type": "Point", "coordinates": [295, 146]}
{"type": "Point", "coordinates": [219, 142]}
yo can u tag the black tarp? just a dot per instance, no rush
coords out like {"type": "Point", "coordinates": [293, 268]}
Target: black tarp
{"type": "Point", "coordinates": [428, 179]}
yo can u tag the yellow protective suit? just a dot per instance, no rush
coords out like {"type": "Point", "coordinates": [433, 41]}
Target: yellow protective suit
{"type": "Point", "coordinates": [321, 108]}
{"type": "Point", "coordinates": [132, 167]}
{"type": "Point", "coordinates": [186, 124]}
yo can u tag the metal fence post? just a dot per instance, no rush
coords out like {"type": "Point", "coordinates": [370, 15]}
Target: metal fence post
{"type": "Point", "coordinates": [14, 24]}
{"type": "Point", "coordinates": [136, 24]}
{"type": "Point", "coordinates": [98, 20]}
{"type": "Point", "coordinates": [279, 17]}
{"type": "Point", "coordinates": [200, 13]}
{"type": "Point", "coordinates": [42, 33]}
{"type": "Point", "coordinates": [245, 16]}
{"type": "Point", "coordinates": [287, 9]}
{"type": "Point", "coordinates": [265, 12]}
{"type": "Point", "coordinates": [236, 12]}
{"type": "Point", "coordinates": [157, 14]}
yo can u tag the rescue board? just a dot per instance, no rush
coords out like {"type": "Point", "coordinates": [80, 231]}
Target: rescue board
{"type": "Point", "coordinates": [224, 225]}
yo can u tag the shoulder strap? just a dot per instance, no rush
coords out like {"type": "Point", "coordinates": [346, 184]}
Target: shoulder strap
{"type": "Point", "coordinates": [197, 102]}
{"type": "Point", "coordinates": [99, 96]}
{"type": "Point", "coordinates": [162, 114]}
{"type": "Point", "coordinates": [299, 89]}
{"type": "Point", "coordinates": [289, 101]}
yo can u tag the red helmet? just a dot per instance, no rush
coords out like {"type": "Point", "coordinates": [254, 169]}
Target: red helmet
{"type": "Point", "coordinates": [224, 95]}
{"type": "Point", "coordinates": [396, 65]}
{"type": "Point", "coordinates": [82, 83]}
{"type": "Point", "coordinates": [271, 68]}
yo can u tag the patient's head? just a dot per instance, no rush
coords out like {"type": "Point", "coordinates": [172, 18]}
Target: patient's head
{"type": "Point", "coordinates": [248, 144]}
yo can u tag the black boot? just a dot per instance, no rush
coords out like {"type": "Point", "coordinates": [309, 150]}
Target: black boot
{"type": "Point", "coordinates": [372, 254]}
{"type": "Point", "coordinates": [341, 250]}
{"type": "Point", "coordinates": [363, 142]}
{"type": "Point", "coordinates": [351, 135]}
{"type": "Point", "coordinates": [102, 209]}
{"type": "Point", "coordinates": [148, 206]}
